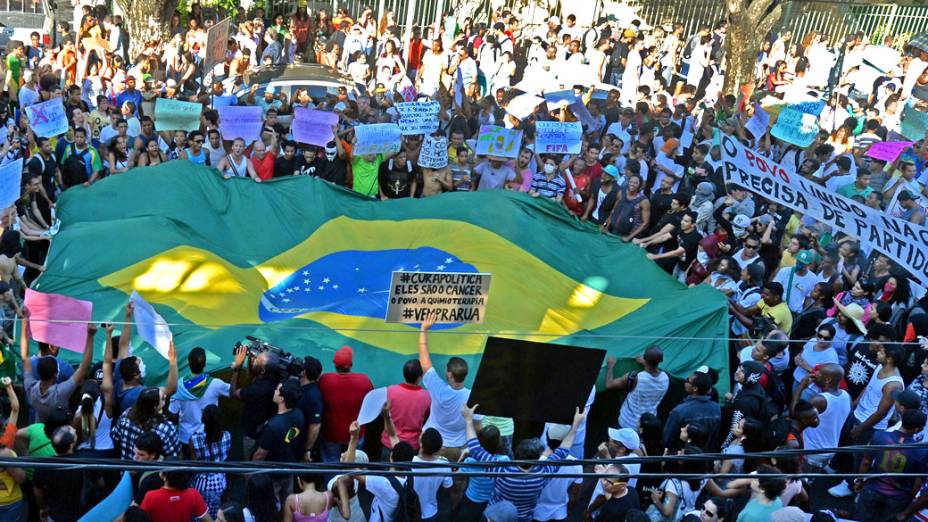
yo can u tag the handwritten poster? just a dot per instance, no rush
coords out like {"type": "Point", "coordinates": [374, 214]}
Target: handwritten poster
{"type": "Point", "coordinates": [418, 117]}
{"type": "Point", "coordinates": [758, 123]}
{"type": "Point", "coordinates": [47, 119]}
{"type": "Point", "coordinates": [887, 151]}
{"type": "Point", "coordinates": [434, 153]}
{"type": "Point", "coordinates": [498, 141]}
{"type": "Point", "coordinates": [313, 127]}
{"type": "Point", "coordinates": [177, 115]}
{"type": "Point", "coordinates": [377, 138]}
{"type": "Point", "coordinates": [558, 137]}
{"type": "Point", "coordinates": [796, 127]}
{"type": "Point", "coordinates": [240, 122]}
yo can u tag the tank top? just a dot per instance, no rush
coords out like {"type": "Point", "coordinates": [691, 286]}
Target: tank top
{"type": "Point", "coordinates": [236, 169]}
{"type": "Point", "coordinates": [830, 422]}
{"type": "Point", "coordinates": [626, 209]}
{"type": "Point", "coordinates": [870, 398]}
{"type": "Point", "coordinates": [215, 154]}
{"type": "Point", "coordinates": [648, 392]}
{"type": "Point", "coordinates": [198, 159]}
{"type": "Point", "coordinates": [298, 516]}
{"type": "Point", "coordinates": [102, 440]}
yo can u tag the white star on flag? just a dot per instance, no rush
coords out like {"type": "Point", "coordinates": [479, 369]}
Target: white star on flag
{"type": "Point", "coordinates": [440, 267]}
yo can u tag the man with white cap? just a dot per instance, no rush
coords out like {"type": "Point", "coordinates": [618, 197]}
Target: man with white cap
{"type": "Point", "coordinates": [560, 492]}
{"type": "Point", "coordinates": [622, 444]}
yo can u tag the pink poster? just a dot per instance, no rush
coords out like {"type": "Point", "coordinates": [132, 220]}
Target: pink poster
{"type": "Point", "coordinates": [45, 310]}
{"type": "Point", "coordinates": [887, 151]}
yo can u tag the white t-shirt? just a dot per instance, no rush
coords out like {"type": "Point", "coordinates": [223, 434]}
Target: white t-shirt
{"type": "Point", "coordinates": [802, 286]}
{"type": "Point", "coordinates": [552, 502]}
{"type": "Point", "coordinates": [191, 411]}
{"type": "Point", "coordinates": [427, 487]}
{"type": "Point", "coordinates": [445, 412]}
{"type": "Point", "coordinates": [385, 500]}
{"type": "Point", "coordinates": [493, 178]}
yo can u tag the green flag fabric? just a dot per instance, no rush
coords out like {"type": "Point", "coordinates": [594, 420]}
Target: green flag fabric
{"type": "Point", "coordinates": [307, 267]}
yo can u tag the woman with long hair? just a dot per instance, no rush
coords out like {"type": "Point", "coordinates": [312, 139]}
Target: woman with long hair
{"type": "Point", "coordinates": [260, 500]}
{"type": "Point", "coordinates": [312, 504]}
{"type": "Point", "coordinates": [211, 444]}
{"type": "Point", "coordinates": [676, 496]}
{"type": "Point", "coordinates": [145, 415]}
{"type": "Point", "coordinates": [152, 156]}
{"type": "Point", "coordinates": [118, 155]}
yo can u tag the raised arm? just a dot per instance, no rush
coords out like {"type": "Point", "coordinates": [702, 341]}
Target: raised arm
{"type": "Point", "coordinates": [14, 400]}
{"type": "Point", "coordinates": [579, 417]}
{"type": "Point", "coordinates": [81, 373]}
{"type": "Point", "coordinates": [125, 335]}
{"type": "Point", "coordinates": [388, 426]}
{"type": "Point", "coordinates": [612, 382]}
{"type": "Point", "coordinates": [106, 386]}
{"type": "Point", "coordinates": [354, 431]}
{"type": "Point", "coordinates": [24, 344]}
{"type": "Point", "coordinates": [237, 363]}
{"type": "Point", "coordinates": [171, 386]}
{"type": "Point", "coordinates": [425, 359]}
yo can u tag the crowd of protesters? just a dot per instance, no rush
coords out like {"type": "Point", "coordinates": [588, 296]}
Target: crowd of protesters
{"type": "Point", "coordinates": [828, 339]}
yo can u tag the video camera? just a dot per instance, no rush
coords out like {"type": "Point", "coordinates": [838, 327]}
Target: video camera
{"type": "Point", "coordinates": [288, 365]}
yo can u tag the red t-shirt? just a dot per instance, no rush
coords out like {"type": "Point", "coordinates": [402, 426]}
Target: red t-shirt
{"type": "Point", "coordinates": [342, 394]}
{"type": "Point", "coordinates": [173, 505]}
{"type": "Point", "coordinates": [264, 168]}
{"type": "Point", "coordinates": [409, 404]}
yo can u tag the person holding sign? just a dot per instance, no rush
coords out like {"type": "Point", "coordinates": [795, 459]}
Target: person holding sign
{"type": "Point", "coordinates": [365, 171]}
{"type": "Point", "coordinates": [397, 177]}
{"type": "Point", "coordinates": [493, 173]}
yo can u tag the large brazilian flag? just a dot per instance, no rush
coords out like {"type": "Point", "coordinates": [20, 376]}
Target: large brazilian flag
{"type": "Point", "coordinates": [306, 266]}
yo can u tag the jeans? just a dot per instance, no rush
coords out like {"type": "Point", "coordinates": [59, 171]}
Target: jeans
{"type": "Point", "coordinates": [876, 507]}
{"type": "Point", "coordinates": [12, 512]}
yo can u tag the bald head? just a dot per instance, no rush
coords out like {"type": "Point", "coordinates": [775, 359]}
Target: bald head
{"type": "Point", "coordinates": [653, 356]}
{"type": "Point", "coordinates": [830, 376]}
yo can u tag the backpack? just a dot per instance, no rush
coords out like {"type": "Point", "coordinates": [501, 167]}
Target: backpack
{"type": "Point", "coordinates": [408, 509]}
{"type": "Point", "coordinates": [74, 169]}
{"type": "Point", "coordinates": [776, 391]}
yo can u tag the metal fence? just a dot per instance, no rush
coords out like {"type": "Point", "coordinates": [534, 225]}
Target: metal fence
{"type": "Point", "coordinates": [836, 19]}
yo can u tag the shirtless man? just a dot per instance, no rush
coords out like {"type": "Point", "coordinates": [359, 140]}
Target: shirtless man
{"type": "Point", "coordinates": [436, 181]}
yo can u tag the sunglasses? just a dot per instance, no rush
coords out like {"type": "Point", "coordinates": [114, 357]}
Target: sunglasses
{"type": "Point", "coordinates": [711, 514]}
{"type": "Point", "coordinates": [823, 337]}
{"type": "Point", "coordinates": [752, 247]}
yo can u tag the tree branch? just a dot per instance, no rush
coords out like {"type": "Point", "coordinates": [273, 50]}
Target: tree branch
{"type": "Point", "coordinates": [758, 8]}
{"type": "Point", "coordinates": [766, 25]}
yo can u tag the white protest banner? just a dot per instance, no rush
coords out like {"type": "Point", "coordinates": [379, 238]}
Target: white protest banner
{"type": "Point", "coordinates": [558, 137]}
{"type": "Point", "coordinates": [583, 114]}
{"type": "Point", "coordinates": [217, 38]}
{"type": "Point", "coordinates": [313, 127]}
{"type": "Point", "coordinates": [151, 327]}
{"type": "Point", "coordinates": [372, 405]}
{"type": "Point", "coordinates": [793, 126]}
{"type": "Point", "coordinates": [377, 138]}
{"type": "Point", "coordinates": [454, 297]}
{"type": "Point", "coordinates": [11, 179]}
{"type": "Point", "coordinates": [418, 117]}
{"type": "Point", "coordinates": [47, 119]}
{"type": "Point", "coordinates": [904, 242]}
{"type": "Point", "coordinates": [434, 153]}
{"type": "Point", "coordinates": [758, 123]}
{"type": "Point", "coordinates": [237, 121]}
{"type": "Point", "coordinates": [498, 141]}
{"type": "Point", "coordinates": [523, 105]}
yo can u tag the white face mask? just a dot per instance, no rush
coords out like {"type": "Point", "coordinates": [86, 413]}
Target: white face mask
{"type": "Point", "coordinates": [549, 168]}
{"type": "Point", "coordinates": [330, 155]}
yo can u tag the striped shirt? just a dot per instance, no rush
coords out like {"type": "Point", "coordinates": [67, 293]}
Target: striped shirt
{"type": "Point", "coordinates": [522, 492]}
{"type": "Point", "coordinates": [647, 395]}
{"type": "Point", "coordinates": [480, 488]}
{"type": "Point", "coordinates": [546, 188]}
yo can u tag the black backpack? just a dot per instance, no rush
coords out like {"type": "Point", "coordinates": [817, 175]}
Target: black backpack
{"type": "Point", "coordinates": [74, 168]}
{"type": "Point", "coordinates": [776, 391]}
{"type": "Point", "coordinates": [408, 509]}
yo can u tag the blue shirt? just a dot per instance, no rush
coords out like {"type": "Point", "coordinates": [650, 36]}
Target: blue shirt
{"type": "Point", "coordinates": [479, 488]}
{"type": "Point", "coordinates": [135, 96]}
{"type": "Point", "coordinates": [523, 492]}
{"type": "Point", "coordinates": [900, 459]}
{"type": "Point", "coordinates": [65, 371]}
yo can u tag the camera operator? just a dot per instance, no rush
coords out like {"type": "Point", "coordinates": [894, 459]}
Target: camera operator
{"type": "Point", "coordinates": [258, 396]}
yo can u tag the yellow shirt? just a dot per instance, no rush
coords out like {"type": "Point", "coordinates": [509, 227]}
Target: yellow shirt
{"type": "Point", "coordinates": [10, 492]}
{"type": "Point", "coordinates": [779, 314]}
{"type": "Point", "coordinates": [787, 261]}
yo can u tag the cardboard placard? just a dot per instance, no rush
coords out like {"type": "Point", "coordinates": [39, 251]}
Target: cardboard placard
{"type": "Point", "coordinates": [457, 297]}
